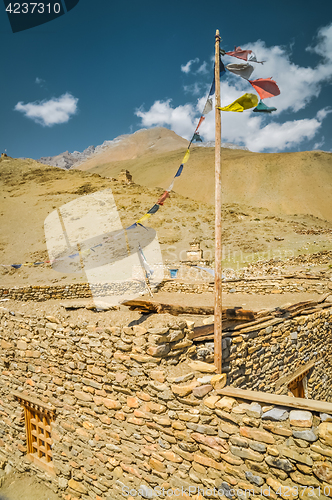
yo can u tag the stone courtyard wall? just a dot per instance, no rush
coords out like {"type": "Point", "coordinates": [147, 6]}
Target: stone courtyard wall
{"type": "Point", "coordinates": [82, 290]}
{"type": "Point", "coordinates": [125, 419]}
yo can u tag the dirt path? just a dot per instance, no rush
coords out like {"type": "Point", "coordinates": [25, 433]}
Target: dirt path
{"type": "Point", "coordinates": [25, 487]}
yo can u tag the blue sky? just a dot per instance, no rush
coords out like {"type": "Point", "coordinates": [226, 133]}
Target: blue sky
{"type": "Point", "coordinates": [106, 69]}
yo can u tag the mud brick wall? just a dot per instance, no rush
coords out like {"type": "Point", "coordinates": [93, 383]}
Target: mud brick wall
{"type": "Point", "coordinates": [124, 419]}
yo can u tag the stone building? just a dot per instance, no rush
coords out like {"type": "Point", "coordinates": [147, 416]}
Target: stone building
{"type": "Point", "coordinates": [125, 177]}
{"type": "Point", "coordinates": [105, 412]}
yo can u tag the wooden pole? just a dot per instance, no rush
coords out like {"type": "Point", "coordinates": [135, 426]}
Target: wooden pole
{"type": "Point", "coordinates": [218, 253]}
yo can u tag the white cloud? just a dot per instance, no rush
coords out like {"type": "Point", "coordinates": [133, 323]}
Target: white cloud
{"type": "Point", "coordinates": [186, 67]}
{"type": "Point", "coordinates": [203, 68]}
{"type": "Point", "coordinates": [299, 85]}
{"type": "Point", "coordinates": [47, 113]}
{"type": "Point", "coordinates": [39, 81]}
{"type": "Point", "coordinates": [319, 144]}
{"type": "Point", "coordinates": [180, 119]}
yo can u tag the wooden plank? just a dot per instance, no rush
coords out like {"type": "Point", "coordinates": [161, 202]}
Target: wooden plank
{"type": "Point", "coordinates": [264, 397]}
{"type": "Point", "coordinates": [300, 371]}
{"type": "Point", "coordinates": [146, 306]}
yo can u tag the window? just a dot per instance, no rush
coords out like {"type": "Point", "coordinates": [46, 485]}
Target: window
{"type": "Point", "coordinates": [38, 418]}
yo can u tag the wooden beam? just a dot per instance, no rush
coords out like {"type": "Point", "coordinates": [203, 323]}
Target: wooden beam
{"type": "Point", "coordinates": [274, 399]}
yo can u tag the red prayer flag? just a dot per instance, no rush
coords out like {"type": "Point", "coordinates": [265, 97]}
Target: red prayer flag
{"type": "Point", "coordinates": [202, 118]}
{"type": "Point", "coordinates": [239, 53]}
{"type": "Point", "coordinates": [265, 87]}
{"type": "Point", "coordinates": [163, 197]}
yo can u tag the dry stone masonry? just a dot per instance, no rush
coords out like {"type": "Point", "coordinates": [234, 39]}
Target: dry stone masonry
{"type": "Point", "coordinates": [137, 414]}
{"type": "Point", "coordinates": [83, 290]}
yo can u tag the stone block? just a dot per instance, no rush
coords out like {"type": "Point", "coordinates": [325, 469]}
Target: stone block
{"type": "Point", "coordinates": [300, 418]}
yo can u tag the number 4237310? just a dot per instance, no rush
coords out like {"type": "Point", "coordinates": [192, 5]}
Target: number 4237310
{"type": "Point", "coordinates": [33, 8]}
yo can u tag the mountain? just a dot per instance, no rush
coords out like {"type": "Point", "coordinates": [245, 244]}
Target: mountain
{"type": "Point", "coordinates": [126, 147]}
{"type": "Point", "coordinates": [288, 183]}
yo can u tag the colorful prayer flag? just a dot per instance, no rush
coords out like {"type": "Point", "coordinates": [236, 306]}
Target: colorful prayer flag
{"type": "Point", "coordinates": [179, 172]}
{"type": "Point", "coordinates": [186, 156]}
{"type": "Point", "coordinates": [208, 106]}
{"type": "Point", "coordinates": [246, 101]}
{"type": "Point", "coordinates": [142, 219]}
{"type": "Point", "coordinates": [154, 209]}
{"type": "Point", "coordinates": [163, 197]}
{"type": "Point", "coordinates": [197, 137]}
{"type": "Point", "coordinates": [265, 87]}
{"type": "Point", "coordinates": [241, 69]}
{"type": "Point", "coordinates": [202, 118]}
{"type": "Point", "coordinates": [246, 55]}
{"type": "Point", "coordinates": [262, 108]}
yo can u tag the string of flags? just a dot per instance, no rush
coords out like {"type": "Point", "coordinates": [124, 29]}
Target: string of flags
{"type": "Point", "coordinates": [265, 88]}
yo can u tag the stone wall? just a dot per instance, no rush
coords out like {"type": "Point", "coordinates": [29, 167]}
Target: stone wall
{"type": "Point", "coordinates": [82, 290]}
{"type": "Point", "coordinates": [263, 355]}
{"type": "Point", "coordinates": [134, 409]}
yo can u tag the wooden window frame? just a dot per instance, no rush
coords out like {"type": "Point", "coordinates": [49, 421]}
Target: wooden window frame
{"type": "Point", "coordinates": [38, 419]}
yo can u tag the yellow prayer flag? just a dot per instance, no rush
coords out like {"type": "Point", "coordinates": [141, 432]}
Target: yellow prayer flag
{"type": "Point", "coordinates": [86, 252]}
{"type": "Point", "coordinates": [186, 157]}
{"type": "Point", "coordinates": [144, 218]}
{"type": "Point", "coordinates": [246, 101]}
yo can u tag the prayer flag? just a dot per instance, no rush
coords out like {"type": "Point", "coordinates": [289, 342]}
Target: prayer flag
{"type": "Point", "coordinates": [208, 106]}
{"type": "Point", "coordinates": [202, 118]}
{"type": "Point", "coordinates": [241, 69]}
{"type": "Point", "coordinates": [197, 137]}
{"type": "Point", "coordinates": [179, 172]}
{"type": "Point", "coordinates": [263, 108]}
{"type": "Point", "coordinates": [154, 209]}
{"type": "Point", "coordinates": [132, 226]}
{"type": "Point", "coordinates": [265, 87]}
{"type": "Point", "coordinates": [246, 101]}
{"type": "Point", "coordinates": [142, 219]}
{"type": "Point", "coordinates": [163, 197]}
{"type": "Point", "coordinates": [169, 189]}
{"type": "Point", "coordinates": [246, 55]}
{"type": "Point", "coordinates": [16, 266]}
{"type": "Point", "coordinates": [186, 156]}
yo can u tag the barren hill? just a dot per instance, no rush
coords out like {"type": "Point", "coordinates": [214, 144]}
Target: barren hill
{"type": "Point", "coordinates": [31, 191]}
{"type": "Point", "coordinates": [288, 183]}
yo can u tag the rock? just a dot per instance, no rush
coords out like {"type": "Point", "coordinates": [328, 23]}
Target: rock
{"type": "Point", "coordinates": [277, 414]}
{"type": "Point", "coordinates": [200, 366]}
{"type": "Point", "coordinates": [184, 390]}
{"type": "Point", "coordinates": [307, 435]}
{"type": "Point", "coordinates": [300, 418]}
{"type": "Point", "coordinates": [246, 454]}
{"type": "Point", "coordinates": [211, 401]}
{"type": "Point", "coordinates": [205, 380]}
{"type": "Point", "coordinates": [226, 403]}
{"type": "Point", "coordinates": [202, 429]}
{"type": "Point", "coordinates": [286, 451]}
{"type": "Point", "coordinates": [83, 396]}
{"type": "Point", "coordinates": [254, 479]}
{"type": "Point", "coordinates": [76, 486]}
{"type": "Point", "coordinates": [323, 471]}
{"type": "Point", "coordinates": [183, 378]}
{"type": "Point", "coordinates": [257, 435]}
{"type": "Point", "coordinates": [279, 463]}
{"type": "Point", "coordinates": [219, 381]}
{"type": "Point", "coordinates": [159, 351]}
{"type": "Point", "coordinates": [304, 480]}
{"type": "Point", "coordinates": [325, 417]}
{"type": "Point", "coordinates": [202, 390]}
{"type": "Point", "coordinates": [325, 433]}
